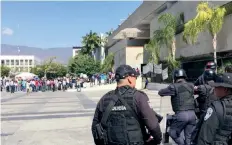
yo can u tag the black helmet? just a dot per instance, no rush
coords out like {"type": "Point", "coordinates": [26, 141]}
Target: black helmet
{"type": "Point", "coordinates": [209, 75]}
{"type": "Point", "coordinates": [210, 65]}
{"type": "Point", "coordinates": [179, 73]}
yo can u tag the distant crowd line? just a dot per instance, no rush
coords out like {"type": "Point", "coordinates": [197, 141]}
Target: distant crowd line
{"type": "Point", "coordinates": [55, 84]}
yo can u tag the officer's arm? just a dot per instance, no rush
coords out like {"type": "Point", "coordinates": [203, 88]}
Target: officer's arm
{"type": "Point", "coordinates": [208, 128]}
{"type": "Point", "coordinates": [149, 118]}
{"type": "Point", "coordinates": [197, 82]}
{"type": "Point", "coordinates": [96, 119]}
{"type": "Point", "coordinates": [201, 90]}
{"type": "Point", "coordinates": [169, 91]}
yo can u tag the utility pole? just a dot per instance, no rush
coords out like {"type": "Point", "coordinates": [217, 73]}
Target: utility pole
{"type": "Point", "coordinates": [18, 39]}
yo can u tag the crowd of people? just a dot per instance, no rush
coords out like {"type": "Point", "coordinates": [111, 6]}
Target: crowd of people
{"type": "Point", "coordinates": [123, 116]}
{"type": "Point", "coordinates": [36, 84]}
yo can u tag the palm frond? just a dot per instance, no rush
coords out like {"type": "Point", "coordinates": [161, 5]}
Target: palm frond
{"type": "Point", "coordinates": [217, 20]}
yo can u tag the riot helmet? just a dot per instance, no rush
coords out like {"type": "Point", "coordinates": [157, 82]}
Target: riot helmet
{"type": "Point", "coordinates": [179, 74]}
{"type": "Point", "coordinates": [211, 65]}
{"type": "Point", "coordinates": [209, 75]}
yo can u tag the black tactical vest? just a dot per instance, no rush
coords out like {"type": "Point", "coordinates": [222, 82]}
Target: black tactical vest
{"type": "Point", "coordinates": [224, 133]}
{"type": "Point", "coordinates": [123, 128]}
{"type": "Point", "coordinates": [206, 100]}
{"type": "Point", "coordinates": [184, 99]}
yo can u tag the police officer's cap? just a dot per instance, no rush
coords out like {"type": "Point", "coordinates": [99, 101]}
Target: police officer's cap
{"type": "Point", "coordinates": [223, 80]}
{"type": "Point", "coordinates": [124, 71]}
{"type": "Point", "coordinates": [179, 73]}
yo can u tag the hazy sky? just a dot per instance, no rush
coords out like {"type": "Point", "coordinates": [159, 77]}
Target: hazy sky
{"type": "Point", "coordinates": [59, 24]}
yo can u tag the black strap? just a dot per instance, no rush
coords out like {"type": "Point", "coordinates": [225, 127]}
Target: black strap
{"type": "Point", "coordinates": [108, 110]}
{"type": "Point", "coordinates": [187, 87]}
{"type": "Point", "coordinates": [129, 108]}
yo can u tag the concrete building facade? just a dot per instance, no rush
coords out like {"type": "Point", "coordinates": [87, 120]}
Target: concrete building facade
{"type": "Point", "coordinates": [145, 19]}
{"type": "Point", "coordinates": [76, 50]}
{"type": "Point", "coordinates": [99, 53]}
{"type": "Point", "coordinates": [19, 63]}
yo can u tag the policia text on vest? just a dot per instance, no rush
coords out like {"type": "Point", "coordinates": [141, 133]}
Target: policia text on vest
{"type": "Point", "coordinates": [120, 123]}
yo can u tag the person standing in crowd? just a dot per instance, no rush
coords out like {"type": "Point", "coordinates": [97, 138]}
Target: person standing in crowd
{"type": "Point", "coordinates": [28, 87]}
{"type": "Point", "coordinates": [15, 86]}
{"type": "Point", "coordinates": [52, 83]}
{"type": "Point", "coordinates": [201, 80]}
{"type": "Point", "coordinates": [146, 83]}
{"type": "Point", "coordinates": [182, 100]}
{"type": "Point", "coordinates": [59, 85]}
{"type": "Point", "coordinates": [20, 84]}
{"type": "Point", "coordinates": [12, 86]}
{"type": "Point", "coordinates": [78, 85]}
{"type": "Point", "coordinates": [228, 69]}
{"type": "Point", "coordinates": [216, 127]}
{"type": "Point", "coordinates": [122, 115]}
{"type": "Point", "coordinates": [64, 84]}
{"type": "Point", "coordinates": [36, 85]}
{"type": "Point", "coordinates": [7, 86]}
{"type": "Point", "coordinates": [91, 79]}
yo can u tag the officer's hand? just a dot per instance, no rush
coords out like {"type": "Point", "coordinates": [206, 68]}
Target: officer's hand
{"type": "Point", "coordinates": [150, 139]}
{"type": "Point", "coordinates": [195, 88]}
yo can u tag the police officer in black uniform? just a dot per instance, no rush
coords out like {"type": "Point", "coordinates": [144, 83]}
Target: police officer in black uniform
{"type": "Point", "coordinates": [123, 116]}
{"type": "Point", "coordinates": [205, 92]}
{"type": "Point", "coordinates": [216, 128]}
{"type": "Point", "coordinates": [182, 99]}
{"type": "Point", "coordinates": [201, 78]}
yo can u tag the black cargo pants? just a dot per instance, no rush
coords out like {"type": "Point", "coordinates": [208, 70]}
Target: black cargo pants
{"type": "Point", "coordinates": [183, 121]}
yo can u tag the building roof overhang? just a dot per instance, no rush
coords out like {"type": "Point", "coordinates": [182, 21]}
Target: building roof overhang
{"type": "Point", "coordinates": [141, 17]}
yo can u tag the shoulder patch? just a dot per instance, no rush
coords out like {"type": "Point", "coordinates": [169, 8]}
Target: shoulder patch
{"type": "Point", "coordinates": [208, 113]}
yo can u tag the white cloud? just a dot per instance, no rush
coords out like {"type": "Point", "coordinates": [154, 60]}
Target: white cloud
{"type": "Point", "coordinates": [7, 31]}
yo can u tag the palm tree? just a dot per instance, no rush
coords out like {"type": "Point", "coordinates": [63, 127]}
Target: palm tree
{"type": "Point", "coordinates": [153, 52]}
{"type": "Point", "coordinates": [90, 42]}
{"type": "Point", "coordinates": [207, 18]}
{"type": "Point", "coordinates": [109, 32]}
{"type": "Point", "coordinates": [108, 63]}
{"type": "Point", "coordinates": [166, 35]}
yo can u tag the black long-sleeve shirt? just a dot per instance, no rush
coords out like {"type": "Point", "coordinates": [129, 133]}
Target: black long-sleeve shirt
{"type": "Point", "coordinates": [200, 80]}
{"type": "Point", "coordinates": [169, 91]}
{"type": "Point", "coordinates": [142, 108]}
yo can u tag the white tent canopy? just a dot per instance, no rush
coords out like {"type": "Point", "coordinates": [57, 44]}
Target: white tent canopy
{"type": "Point", "coordinates": [26, 75]}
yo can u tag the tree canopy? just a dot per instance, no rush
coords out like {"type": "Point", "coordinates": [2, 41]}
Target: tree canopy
{"type": "Point", "coordinates": [207, 18]}
{"type": "Point", "coordinates": [89, 42]}
{"type": "Point", "coordinates": [83, 63]}
{"type": "Point", "coordinates": [52, 69]}
{"type": "Point", "coordinates": [5, 70]}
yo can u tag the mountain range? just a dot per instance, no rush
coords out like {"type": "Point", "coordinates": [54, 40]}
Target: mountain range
{"type": "Point", "coordinates": [62, 54]}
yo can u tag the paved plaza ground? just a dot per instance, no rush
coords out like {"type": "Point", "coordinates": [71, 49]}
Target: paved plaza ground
{"type": "Point", "coordinates": [56, 118]}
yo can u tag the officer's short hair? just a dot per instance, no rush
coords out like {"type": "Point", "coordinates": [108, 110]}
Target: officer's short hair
{"type": "Point", "coordinates": [119, 81]}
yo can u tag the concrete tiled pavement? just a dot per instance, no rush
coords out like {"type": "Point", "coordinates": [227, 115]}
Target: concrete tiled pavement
{"type": "Point", "coordinates": [59, 118]}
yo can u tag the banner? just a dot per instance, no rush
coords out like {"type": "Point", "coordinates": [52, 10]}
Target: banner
{"type": "Point", "coordinates": [158, 68]}
{"type": "Point", "coordinates": [165, 73]}
{"type": "Point", "coordinates": [147, 68]}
